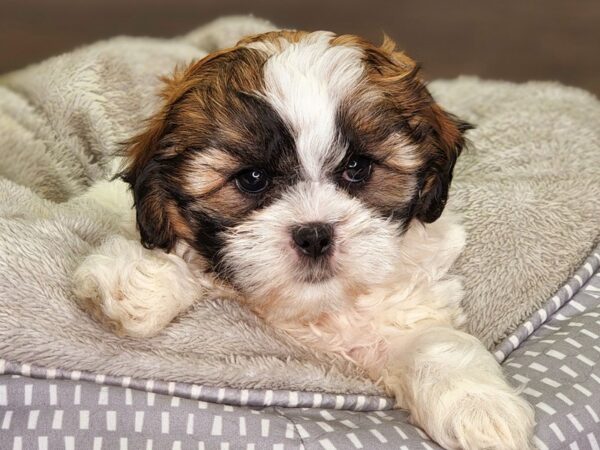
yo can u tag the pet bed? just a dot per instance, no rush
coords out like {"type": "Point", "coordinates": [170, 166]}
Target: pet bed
{"type": "Point", "coordinates": [528, 190]}
{"type": "Point", "coordinates": [556, 364]}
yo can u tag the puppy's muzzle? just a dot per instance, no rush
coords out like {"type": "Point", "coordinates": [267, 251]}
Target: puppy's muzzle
{"type": "Point", "coordinates": [313, 239]}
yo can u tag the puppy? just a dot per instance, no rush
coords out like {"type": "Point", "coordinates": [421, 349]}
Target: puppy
{"type": "Point", "coordinates": [305, 174]}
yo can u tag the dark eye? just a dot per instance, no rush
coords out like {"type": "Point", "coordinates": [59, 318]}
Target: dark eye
{"type": "Point", "coordinates": [252, 181]}
{"type": "Point", "coordinates": [358, 169]}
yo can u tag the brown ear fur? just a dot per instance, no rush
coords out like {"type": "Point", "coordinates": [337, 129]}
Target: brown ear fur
{"type": "Point", "coordinates": [158, 217]}
{"type": "Point", "coordinates": [440, 133]}
{"type": "Point", "coordinates": [447, 141]}
{"type": "Point", "coordinates": [154, 155]}
{"type": "Point", "coordinates": [151, 201]}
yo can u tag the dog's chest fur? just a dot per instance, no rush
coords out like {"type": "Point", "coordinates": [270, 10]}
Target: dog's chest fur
{"type": "Point", "coordinates": [422, 295]}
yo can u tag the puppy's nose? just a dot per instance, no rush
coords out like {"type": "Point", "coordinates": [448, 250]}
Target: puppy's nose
{"type": "Point", "coordinates": [313, 239]}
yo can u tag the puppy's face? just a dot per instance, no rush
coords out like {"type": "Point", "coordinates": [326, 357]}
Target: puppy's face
{"type": "Point", "coordinates": [292, 163]}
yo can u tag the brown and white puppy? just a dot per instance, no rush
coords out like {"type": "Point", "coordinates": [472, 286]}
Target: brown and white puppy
{"type": "Point", "coordinates": [305, 174]}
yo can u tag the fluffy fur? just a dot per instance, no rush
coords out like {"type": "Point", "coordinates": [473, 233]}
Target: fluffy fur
{"type": "Point", "coordinates": [303, 108]}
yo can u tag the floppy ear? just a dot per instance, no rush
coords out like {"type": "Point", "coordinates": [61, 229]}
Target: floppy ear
{"type": "Point", "coordinates": [439, 135]}
{"type": "Point", "coordinates": [446, 141]}
{"type": "Point", "coordinates": [147, 172]}
{"type": "Point", "coordinates": [145, 176]}
{"type": "Point", "coordinates": [153, 155]}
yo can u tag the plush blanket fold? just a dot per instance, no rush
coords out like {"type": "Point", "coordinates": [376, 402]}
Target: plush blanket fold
{"type": "Point", "coordinates": [528, 189]}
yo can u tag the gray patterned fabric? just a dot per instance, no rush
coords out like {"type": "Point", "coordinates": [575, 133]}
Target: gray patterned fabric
{"type": "Point", "coordinates": [241, 397]}
{"type": "Point", "coordinates": [559, 365]}
{"type": "Point", "coordinates": [83, 415]}
{"type": "Point", "coordinates": [556, 362]}
{"type": "Point", "coordinates": [563, 296]}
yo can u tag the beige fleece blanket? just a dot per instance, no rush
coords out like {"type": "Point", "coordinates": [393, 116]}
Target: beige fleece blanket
{"type": "Point", "coordinates": [528, 188]}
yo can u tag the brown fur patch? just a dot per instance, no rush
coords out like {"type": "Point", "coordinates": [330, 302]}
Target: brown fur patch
{"type": "Point", "coordinates": [204, 104]}
{"type": "Point", "coordinates": [208, 171]}
{"type": "Point", "coordinates": [393, 118]}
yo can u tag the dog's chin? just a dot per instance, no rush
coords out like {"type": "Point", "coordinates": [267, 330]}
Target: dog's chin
{"type": "Point", "coordinates": [300, 300]}
{"type": "Point", "coordinates": [315, 272]}
{"type": "Point", "coordinates": [296, 289]}
{"type": "Point", "coordinates": [315, 277]}
{"type": "Point", "coordinates": [305, 298]}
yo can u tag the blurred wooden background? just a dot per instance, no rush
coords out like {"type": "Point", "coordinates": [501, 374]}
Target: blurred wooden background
{"type": "Point", "coordinates": [513, 40]}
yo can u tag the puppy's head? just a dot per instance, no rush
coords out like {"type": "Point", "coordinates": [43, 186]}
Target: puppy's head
{"type": "Point", "coordinates": [292, 163]}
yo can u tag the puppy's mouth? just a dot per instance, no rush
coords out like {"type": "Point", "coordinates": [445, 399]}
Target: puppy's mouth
{"type": "Point", "coordinates": [315, 271]}
{"type": "Point", "coordinates": [315, 277]}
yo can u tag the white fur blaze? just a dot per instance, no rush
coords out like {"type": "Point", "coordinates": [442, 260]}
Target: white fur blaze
{"type": "Point", "coordinates": [305, 83]}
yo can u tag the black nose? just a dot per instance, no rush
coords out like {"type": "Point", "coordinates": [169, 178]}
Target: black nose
{"type": "Point", "coordinates": [313, 239]}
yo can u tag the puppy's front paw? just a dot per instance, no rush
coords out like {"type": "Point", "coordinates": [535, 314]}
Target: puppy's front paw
{"type": "Point", "coordinates": [132, 290]}
{"type": "Point", "coordinates": [484, 418]}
